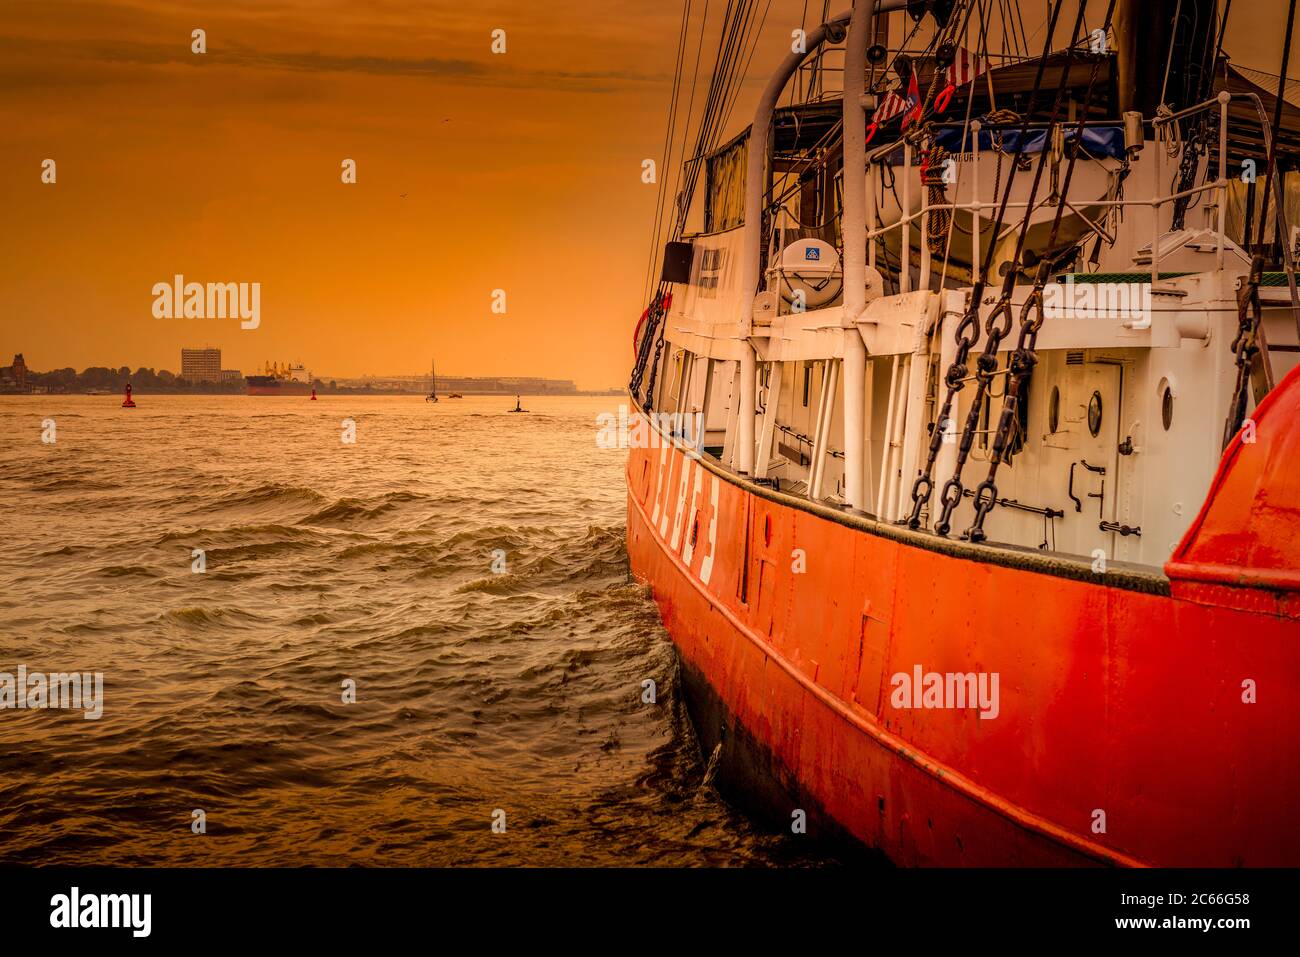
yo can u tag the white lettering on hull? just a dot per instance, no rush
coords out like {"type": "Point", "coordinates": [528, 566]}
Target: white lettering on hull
{"type": "Point", "coordinates": [706, 566]}
{"type": "Point", "coordinates": [681, 503]}
{"type": "Point", "coordinates": [688, 550]}
{"type": "Point", "coordinates": [659, 482]}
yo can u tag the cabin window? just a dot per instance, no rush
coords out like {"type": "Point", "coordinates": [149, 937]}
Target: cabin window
{"type": "Point", "coordinates": [1054, 410]}
{"type": "Point", "coordinates": [724, 196]}
{"type": "Point", "coordinates": [807, 382]}
{"type": "Point", "coordinates": [1167, 408]}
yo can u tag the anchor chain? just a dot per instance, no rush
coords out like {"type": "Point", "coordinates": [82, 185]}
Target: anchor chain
{"type": "Point", "coordinates": [1246, 345]}
{"type": "Point", "coordinates": [1021, 367]}
{"type": "Point", "coordinates": [998, 325]}
{"type": "Point", "coordinates": [1022, 361]}
{"type": "Point", "coordinates": [967, 334]}
{"type": "Point", "coordinates": [655, 328]}
{"type": "Point", "coordinates": [996, 328]}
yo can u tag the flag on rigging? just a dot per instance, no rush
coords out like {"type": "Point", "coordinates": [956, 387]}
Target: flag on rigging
{"type": "Point", "coordinates": [965, 68]}
{"type": "Point", "coordinates": [892, 104]}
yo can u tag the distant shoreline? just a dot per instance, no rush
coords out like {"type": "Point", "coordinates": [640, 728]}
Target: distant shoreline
{"type": "Point", "coordinates": [319, 392]}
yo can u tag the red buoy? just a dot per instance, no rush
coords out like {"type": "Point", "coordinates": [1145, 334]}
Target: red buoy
{"type": "Point", "coordinates": [313, 393]}
{"type": "Point", "coordinates": [128, 402]}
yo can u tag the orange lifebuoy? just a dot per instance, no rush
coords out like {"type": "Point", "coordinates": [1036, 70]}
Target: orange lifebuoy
{"type": "Point", "coordinates": [637, 334]}
{"type": "Point", "coordinates": [944, 98]}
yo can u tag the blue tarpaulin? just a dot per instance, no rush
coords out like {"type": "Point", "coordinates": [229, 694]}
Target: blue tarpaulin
{"type": "Point", "coordinates": [1098, 141]}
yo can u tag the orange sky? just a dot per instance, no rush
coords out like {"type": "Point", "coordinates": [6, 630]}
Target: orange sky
{"type": "Point", "coordinates": [519, 171]}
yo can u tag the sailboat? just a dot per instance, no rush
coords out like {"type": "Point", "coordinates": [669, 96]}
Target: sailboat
{"type": "Point", "coordinates": [433, 383]}
{"type": "Point", "coordinates": [987, 529]}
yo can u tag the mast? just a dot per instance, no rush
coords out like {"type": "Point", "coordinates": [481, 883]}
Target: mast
{"type": "Point", "coordinates": [861, 30]}
{"type": "Point", "coordinates": [756, 166]}
{"type": "Point", "coordinates": [1166, 52]}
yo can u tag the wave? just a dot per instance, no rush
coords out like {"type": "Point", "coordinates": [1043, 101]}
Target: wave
{"type": "Point", "coordinates": [200, 615]}
{"type": "Point", "coordinates": [237, 533]}
{"type": "Point", "coordinates": [129, 571]}
{"type": "Point", "coordinates": [351, 509]}
{"type": "Point", "coordinates": [74, 483]}
{"type": "Point", "coordinates": [273, 493]}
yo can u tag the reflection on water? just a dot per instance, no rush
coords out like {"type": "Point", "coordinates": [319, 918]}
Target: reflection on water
{"type": "Point", "coordinates": [475, 690]}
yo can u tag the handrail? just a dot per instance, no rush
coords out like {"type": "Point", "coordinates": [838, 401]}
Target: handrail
{"type": "Point", "coordinates": [1283, 233]}
{"type": "Point", "coordinates": [976, 206]}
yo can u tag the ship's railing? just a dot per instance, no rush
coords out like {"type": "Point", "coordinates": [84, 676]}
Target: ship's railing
{"type": "Point", "coordinates": [976, 207]}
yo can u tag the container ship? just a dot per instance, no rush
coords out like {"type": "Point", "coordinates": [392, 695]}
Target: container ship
{"type": "Point", "coordinates": [964, 462]}
{"type": "Point", "coordinates": [280, 380]}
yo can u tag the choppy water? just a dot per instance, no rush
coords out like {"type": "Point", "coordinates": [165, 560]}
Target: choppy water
{"type": "Point", "coordinates": [476, 691]}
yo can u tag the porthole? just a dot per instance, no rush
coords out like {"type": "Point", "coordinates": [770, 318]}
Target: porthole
{"type": "Point", "coordinates": [1054, 410]}
{"type": "Point", "coordinates": [1094, 414]}
{"type": "Point", "coordinates": [1167, 408]}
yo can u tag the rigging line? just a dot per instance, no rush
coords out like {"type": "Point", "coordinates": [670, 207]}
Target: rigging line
{"type": "Point", "coordinates": [803, 28]}
{"type": "Point", "coordinates": [663, 197]}
{"type": "Point", "coordinates": [1193, 81]}
{"type": "Point", "coordinates": [722, 92]}
{"type": "Point", "coordinates": [1020, 140]}
{"type": "Point", "coordinates": [676, 197]}
{"type": "Point", "coordinates": [724, 68]}
{"type": "Point", "coordinates": [1279, 99]}
{"type": "Point", "coordinates": [952, 223]}
{"type": "Point", "coordinates": [1008, 37]}
{"type": "Point", "coordinates": [679, 222]}
{"type": "Point", "coordinates": [728, 45]}
{"type": "Point", "coordinates": [1023, 35]}
{"type": "Point", "coordinates": [1020, 363]}
{"type": "Point", "coordinates": [736, 76]}
{"type": "Point", "coordinates": [1086, 108]}
{"type": "Point", "coordinates": [655, 230]}
{"type": "Point", "coordinates": [1169, 57]}
{"type": "Point", "coordinates": [968, 331]}
{"type": "Point", "coordinates": [708, 118]}
{"type": "Point", "coordinates": [771, 203]}
{"type": "Point", "coordinates": [1062, 93]}
{"type": "Point", "coordinates": [740, 80]}
{"type": "Point", "coordinates": [983, 41]}
{"type": "Point", "coordinates": [665, 159]}
{"type": "Point", "coordinates": [828, 141]}
{"type": "Point", "coordinates": [1218, 51]}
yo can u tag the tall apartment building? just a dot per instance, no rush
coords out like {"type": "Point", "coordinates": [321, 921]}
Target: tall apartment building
{"type": "Point", "coordinates": [201, 365]}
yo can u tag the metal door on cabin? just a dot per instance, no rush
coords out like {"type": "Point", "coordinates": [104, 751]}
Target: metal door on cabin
{"type": "Point", "coordinates": [1094, 478]}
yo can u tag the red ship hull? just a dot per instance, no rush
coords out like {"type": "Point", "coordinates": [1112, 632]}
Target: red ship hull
{"type": "Point", "coordinates": [1144, 718]}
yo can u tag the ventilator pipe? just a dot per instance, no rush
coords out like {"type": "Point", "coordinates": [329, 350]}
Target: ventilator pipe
{"type": "Point", "coordinates": [756, 186]}
{"type": "Point", "coordinates": [861, 32]}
